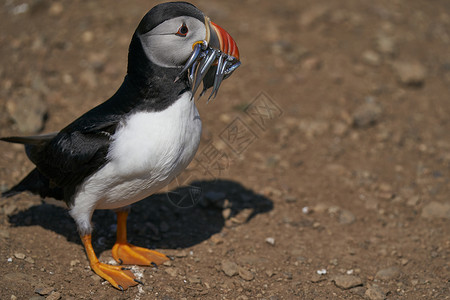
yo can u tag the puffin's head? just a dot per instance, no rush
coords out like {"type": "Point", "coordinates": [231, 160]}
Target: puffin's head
{"type": "Point", "coordinates": [178, 35]}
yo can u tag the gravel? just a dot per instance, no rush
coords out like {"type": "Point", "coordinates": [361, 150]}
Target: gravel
{"type": "Point", "coordinates": [435, 210]}
{"type": "Point", "coordinates": [374, 292]}
{"type": "Point", "coordinates": [410, 73]}
{"type": "Point", "coordinates": [347, 281]}
{"type": "Point", "coordinates": [388, 273]}
{"type": "Point", "coordinates": [229, 268]}
{"type": "Point", "coordinates": [367, 114]}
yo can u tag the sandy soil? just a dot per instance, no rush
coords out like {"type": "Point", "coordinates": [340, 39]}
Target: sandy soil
{"type": "Point", "coordinates": [323, 171]}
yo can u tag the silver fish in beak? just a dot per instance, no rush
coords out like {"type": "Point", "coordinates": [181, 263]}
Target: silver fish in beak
{"type": "Point", "coordinates": [212, 60]}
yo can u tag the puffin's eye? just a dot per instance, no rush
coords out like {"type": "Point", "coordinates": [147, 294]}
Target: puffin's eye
{"type": "Point", "coordinates": [182, 31]}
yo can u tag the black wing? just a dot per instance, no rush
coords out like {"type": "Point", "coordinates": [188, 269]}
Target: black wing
{"type": "Point", "coordinates": [72, 155]}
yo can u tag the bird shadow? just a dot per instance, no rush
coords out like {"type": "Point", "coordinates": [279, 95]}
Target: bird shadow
{"type": "Point", "coordinates": [180, 218]}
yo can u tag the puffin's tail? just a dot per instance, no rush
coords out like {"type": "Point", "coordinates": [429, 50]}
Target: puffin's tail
{"type": "Point", "coordinates": [29, 140]}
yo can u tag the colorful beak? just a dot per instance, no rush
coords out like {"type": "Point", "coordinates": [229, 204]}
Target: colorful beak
{"type": "Point", "coordinates": [221, 39]}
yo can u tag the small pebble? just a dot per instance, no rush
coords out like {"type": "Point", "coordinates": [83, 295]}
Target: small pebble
{"type": "Point", "coordinates": [171, 271]}
{"type": "Point", "coordinates": [388, 273]}
{"type": "Point", "coordinates": [347, 281]}
{"type": "Point", "coordinates": [43, 291]}
{"type": "Point", "coordinates": [322, 271]}
{"type": "Point", "coordinates": [19, 255]}
{"type": "Point", "coordinates": [54, 296]}
{"type": "Point", "coordinates": [375, 293]}
{"type": "Point", "coordinates": [246, 274]}
{"type": "Point", "coordinates": [229, 268]}
{"type": "Point", "coordinates": [270, 240]}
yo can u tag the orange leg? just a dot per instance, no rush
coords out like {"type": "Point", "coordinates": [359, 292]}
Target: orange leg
{"type": "Point", "coordinates": [127, 254]}
{"type": "Point", "coordinates": [118, 276]}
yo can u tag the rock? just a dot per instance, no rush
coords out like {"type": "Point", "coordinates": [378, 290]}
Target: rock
{"type": "Point", "coordinates": [194, 279]}
{"type": "Point", "coordinates": [19, 255]}
{"type": "Point", "coordinates": [4, 233]}
{"type": "Point", "coordinates": [410, 73]}
{"type": "Point", "coordinates": [246, 274]}
{"type": "Point", "coordinates": [312, 15]}
{"type": "Point", "coordinates": [435, 210]}
{"type": "Point", "coordinates": [74, 262]}
{"type": "Point", "coordinates": [312, 63]}
{"type": "Point", "coordinates": [29, 260]}
{"type": "Point", "coordinates": [375, 293]}
{"type": "Point", "coordinates": [413, 201]}
{"type": "Point", "coordinates": [347, 281]}
{"type": "Point", "coordinates": [388, 273]}
{"type": "Point", "coordinates": [96, 278]}
{"type": "Point", "coordinates": [43, 291]}
{"type": "Point", "coordinates": [346, 217]}
{"type": "Point", "coordinates": [371, 58]}
{"type": "Point", "coordinates": [172, 271]}
{"type": "Point", "coordinates": [217, 239]}
{"type": "Point", "coordinates": [385, 44]}
{"type": "Point", "coordinates": [229, 268]}
{"type": "Point", "coordinates": [366, 114]}
{"type": "Point", "coordinates": [28, 110]}
{"type": "Point", "coordinates": [315, 278]}
{"type": "Point", "coordinates": [55, 9]}
{"type": "Point", "coordinates": [88, 78]}
{"type": "Point", "coordinates": [54, 296]}
{"type": "Point", "coordinates": [270, 241]}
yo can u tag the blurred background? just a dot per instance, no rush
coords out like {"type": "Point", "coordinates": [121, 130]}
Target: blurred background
{"type": "Point", "coordinates": [328, 150]}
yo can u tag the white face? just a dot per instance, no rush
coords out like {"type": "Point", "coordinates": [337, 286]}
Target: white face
{"type": "Point", "coordinates": [170, 43]}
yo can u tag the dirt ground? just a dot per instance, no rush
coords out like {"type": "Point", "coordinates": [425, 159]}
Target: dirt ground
{"type": "Point", "coordinates": [324, 168]}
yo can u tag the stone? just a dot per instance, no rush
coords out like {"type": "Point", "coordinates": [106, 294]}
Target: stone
{"type": "Point", "coordinates": [229, 268]}
{"type": "Point", "coordinates": [347, 281]}
{"type": "Point", "coordinates": [315, 278]}
{"type": "Point", "coordinates": [43, 291]}
{"type": "Point", "coordinates": [217, 239]}
{"type": "Point", "coordinates": [374, 292]}
{"type": "Point", "coordinates": [385, 44]}
{"type": "Point", "coordinates": [54, 296]}
{"type": "Point", "coordinates": [19, 255]}
{"type": "Point", "coordinates": [346, 217]}
{"type": "Point", "coordinates": [313, 14]}
{"type": "Point", "coordinates": [410, 73]}
{"type": "Point", "coordinates": [74, 262]}
{"type": "Point", "coordinates": [388, 273]}
{"type": "Point", "coordinates": [172, 271]}
{"type": "Point", "coordinates": [55, 9]}
{"type": "Point", "coordinates": [366, 114]}
{"type": "Point", "coordinates": [4, 233]}
{"type": "Point", "coordinates": [246, 274]}
{"type": "Point", "coordinates": [28, 111]}
{"type": "Point", "coordinates": [270, 241]}
{"type": "Point", "coordinates": [29, 260]}
{"type": "Point", "coordinates": [436, 210]}
{"type": "Point", "coordinates": [371, 58]}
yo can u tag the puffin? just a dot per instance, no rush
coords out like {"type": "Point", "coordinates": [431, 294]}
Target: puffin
{"type": "Point", "coordinates": [140, 139]}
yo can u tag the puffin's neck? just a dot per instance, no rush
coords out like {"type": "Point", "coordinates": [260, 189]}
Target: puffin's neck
{"type": "Point", "coordinates": [154, 84]}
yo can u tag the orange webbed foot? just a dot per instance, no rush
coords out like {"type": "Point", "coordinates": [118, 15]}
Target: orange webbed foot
{"type": "Point", "coordinates": [125, 253]}
{"type": "Point", "coordinates": [120, 277]}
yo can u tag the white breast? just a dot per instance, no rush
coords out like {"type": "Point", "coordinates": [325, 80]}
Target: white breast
{"type": "Point", "coordinates": [147, 152]}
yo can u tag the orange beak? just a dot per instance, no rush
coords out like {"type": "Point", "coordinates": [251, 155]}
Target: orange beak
{"type": "Point", "coordinates": [222, 40]}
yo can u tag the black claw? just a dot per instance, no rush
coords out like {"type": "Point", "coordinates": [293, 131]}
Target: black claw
{"type": "Point", "coordinates": [120, 261]}
{"type": "Point", "coordinates": [170, 257]}
{"type": "Point", "coordinates": [138, 281]}
{"type": "Point", "coordinates": [154, 265]}
{"type": "Point", "coordinates": [126, 269]}
{"type": "Point", "coordinates": [121, 288]}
